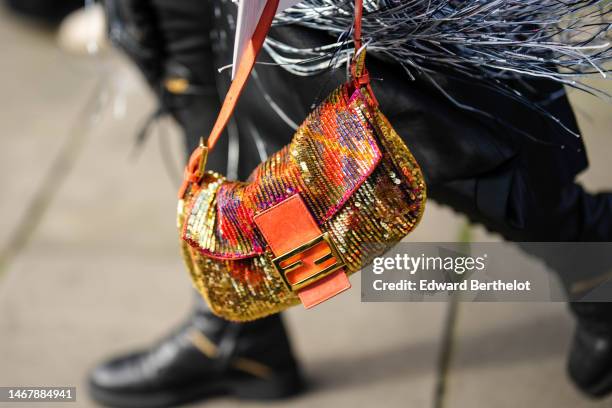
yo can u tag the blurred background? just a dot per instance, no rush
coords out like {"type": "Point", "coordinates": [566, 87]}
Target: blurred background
{"type": "Point", "coordinates": [90, 265]}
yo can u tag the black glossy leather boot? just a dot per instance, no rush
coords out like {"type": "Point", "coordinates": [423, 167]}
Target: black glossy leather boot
{"type": "Point", "coordinates": [590, 358]}
{"type": "Point", "coordinates": [206, 356]}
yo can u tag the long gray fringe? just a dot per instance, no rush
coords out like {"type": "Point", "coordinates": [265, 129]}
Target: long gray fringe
{"type": "Point", "coordinates": [484, 39]}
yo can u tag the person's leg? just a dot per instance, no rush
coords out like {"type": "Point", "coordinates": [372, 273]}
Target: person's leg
{"type": "Point", "coordinates": [590, 359]}
{"type": "Point", "coordinates": [206, 354]}
{"type": "Point", "coordinates": [574, 216]}
{"type": "Point", "coordinates": [519, 188]}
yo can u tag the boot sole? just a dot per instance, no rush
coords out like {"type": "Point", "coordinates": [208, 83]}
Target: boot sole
{"type": "Point", "coordinates": [279, 387]}
{"type": "Point", "coordinates": [602, 388]}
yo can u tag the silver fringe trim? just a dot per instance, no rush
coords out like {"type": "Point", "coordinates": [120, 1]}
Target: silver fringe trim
{"type": "Point", "coordinates": [483, 39]}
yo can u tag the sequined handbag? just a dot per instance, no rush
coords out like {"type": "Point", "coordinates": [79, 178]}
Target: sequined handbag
{"type": "Point", "coordinates": [345, 190]}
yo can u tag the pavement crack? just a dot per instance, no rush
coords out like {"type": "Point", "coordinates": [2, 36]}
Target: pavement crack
{"type": "Point", "coordinates": [446, 353]}
{"type": "Point", "coordinates": [448, 341]}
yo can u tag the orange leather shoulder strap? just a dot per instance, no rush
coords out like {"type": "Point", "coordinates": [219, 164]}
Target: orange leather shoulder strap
{"type": "Point", "coordinates": [357, 24]}
{"type": "Point", "coordinates": [247, 61]}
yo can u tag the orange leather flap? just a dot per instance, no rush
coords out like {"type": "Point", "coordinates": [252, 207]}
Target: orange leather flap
{"type": "Point", "coordinates": [287, 226]}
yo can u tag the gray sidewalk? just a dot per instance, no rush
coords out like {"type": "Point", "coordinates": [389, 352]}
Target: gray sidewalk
{"type": "Point", "coordinates": [95, 268]}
